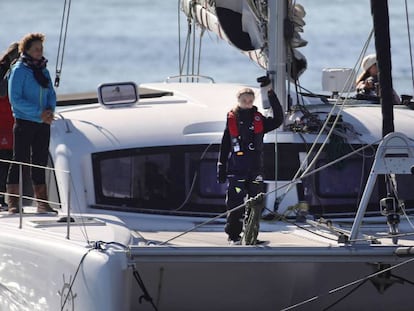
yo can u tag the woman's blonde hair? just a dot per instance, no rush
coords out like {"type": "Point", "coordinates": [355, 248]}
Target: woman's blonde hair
{"type": "Point", "coordinates": [245, 90]}
{"type": "Point", "coordinates": [27, 41]}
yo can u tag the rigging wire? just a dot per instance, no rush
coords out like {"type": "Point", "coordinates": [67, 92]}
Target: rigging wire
{"type": "Point", "coordinates": [186, 47]}
{"type": "Point", "coordinates": [346, 295]}
{"type": "Point", "coordinates": [330, 129]}
{"type": "Point", "coordinates": [179, 37]}
{"type": "Point", "coordinates": [409, 43]}
{"type": "Point", "coordinates": [202, 31]}
{"type": "Point", "coordinates": [102, 246]}
{"type": "Point", "coordinates": [385, 236]}
{"type": "Point", "coordinates": [194, 50]}
{"type": "Point", "coordinates": [305, 167]}
{"type": "Point", "coordinates": [293, 223]}
{"type": "Point", "coordinates": [328, 117]}
{"type": "Point", "coordinates": [190, 58]}
{"type": "Point", "coordinates": [82, 228]}
{"type": "Point", "coordinates": [342, 287]}
{"type": "Point", "coordinates": [62, 41]}
{"type": "Point", "coordinates": [190, 31]}
{"type": "Point", "coordinates": [293, 181]}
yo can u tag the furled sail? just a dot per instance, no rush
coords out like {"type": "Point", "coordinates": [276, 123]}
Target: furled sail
{"type": "Point", "coordinates": [244, 24]}
{"type": "Point", "coordinates": [225, 20]}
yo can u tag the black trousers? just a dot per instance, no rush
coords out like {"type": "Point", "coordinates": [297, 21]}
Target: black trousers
{"type": "Point", "coordinates": [5, 154]}
{"type": "Point", "coordinates": [239, 188]}
{"type": "Point", "coordinates": [31, 145]}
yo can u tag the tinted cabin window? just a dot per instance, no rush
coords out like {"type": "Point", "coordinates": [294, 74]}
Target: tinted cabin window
{"type": "Point", "coordinates": [182, 179]}
{"type": "Point", "coordinates": [136, 177]}
{"type": "Point", "coordinates": [177, 178]}
{"type": "Point", "coordinates": [340, 181]}
{"type": "Point", "coordinates": [165, 179]}
{"type": "Point", "coordinates": [207, 185]}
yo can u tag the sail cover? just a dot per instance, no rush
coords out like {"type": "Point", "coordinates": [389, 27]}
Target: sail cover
{"type": "Point", "coordinates": [240, 24]}
{"type": "Point", "coordinates": [243, 24]}
{"type": "Point", "coordinates": [226, 20]}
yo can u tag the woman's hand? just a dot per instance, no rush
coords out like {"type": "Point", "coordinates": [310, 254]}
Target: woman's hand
{"type": "Point", "coordinates": [47, 116]}
{"type": "Point", "coordinates": [369, 83]}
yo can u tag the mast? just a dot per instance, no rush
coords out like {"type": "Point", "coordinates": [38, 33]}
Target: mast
{"type": "Point", "coordinates": [379, 11]}
{"type": "Point", "coordinates": [277, 64]}
{"type": "Point", "coordinates": [380, 16]}
{"type": "Point", "coordinates": [277, 48]}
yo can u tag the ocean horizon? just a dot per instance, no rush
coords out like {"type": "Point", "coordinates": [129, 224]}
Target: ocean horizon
{"type": "Point", "coordinates": [114, 41]}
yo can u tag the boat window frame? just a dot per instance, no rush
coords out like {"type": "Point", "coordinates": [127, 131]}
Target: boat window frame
{"type": "Point", "coordinates": [181, 152]}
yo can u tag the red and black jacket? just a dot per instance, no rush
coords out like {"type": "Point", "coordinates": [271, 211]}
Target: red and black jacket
{"type": "Point", "coordinates": [241, 150]}
{"type": "Point", "coordinates": [246, 130]}
{"type": "Point", "coordinates": [6, 124]}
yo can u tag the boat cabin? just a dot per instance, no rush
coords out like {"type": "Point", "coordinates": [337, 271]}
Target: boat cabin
{"type": "Point", "coordinates": [158, 155]}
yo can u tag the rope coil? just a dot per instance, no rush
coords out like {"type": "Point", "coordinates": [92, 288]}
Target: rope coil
{"type": "Point", "coordinates": [254, 208]}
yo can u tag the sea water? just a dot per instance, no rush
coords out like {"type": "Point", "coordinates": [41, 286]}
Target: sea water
{"type": "Point", "coordinates": [137, 40]}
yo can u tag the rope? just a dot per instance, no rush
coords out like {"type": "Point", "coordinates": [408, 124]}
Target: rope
{"type": "Point", "coordinates": [146, 296]}
{"type": "Point", "coordinates": [74, 278]}
{"type": "Point", "coordinates": [62, 40]}
{"type": "Point", "coordinates": [293, 181]}
{"type": "Point", "coordinates": [203, 224]}
{"type": "Point", "coordinates": [252, 223]}
{"type": "Point", "coordinates": [254, 207]}
{"type": "Point", "coordinates": [373, 238]}
{"type": "Point", "coordinates": [101, 245]}
{"type": "Point", "coordinates": [281, 217]}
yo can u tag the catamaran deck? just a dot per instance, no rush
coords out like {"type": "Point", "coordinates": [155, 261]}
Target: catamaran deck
{"type": "Point", "coordinates": [146, 230]}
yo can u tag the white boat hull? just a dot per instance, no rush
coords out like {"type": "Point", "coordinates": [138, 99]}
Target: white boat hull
{"type": "Point", "coordinates": [37, 274]}
{"type": "Point", "coordinates": [271, 279]}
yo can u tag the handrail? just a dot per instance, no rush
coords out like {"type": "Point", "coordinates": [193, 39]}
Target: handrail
{"type": "Point", "coordinates": [68, 211]}
{"type": "Point", "coordinates": [397, 145]}
{"type": "Point", "coordinates": [190, 76]}
{"type": "Point", "coordinates": [21, 196]}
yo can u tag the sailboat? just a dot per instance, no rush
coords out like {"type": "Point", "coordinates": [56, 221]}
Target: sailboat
{"type": "Point", "coordinates": [141, 217]}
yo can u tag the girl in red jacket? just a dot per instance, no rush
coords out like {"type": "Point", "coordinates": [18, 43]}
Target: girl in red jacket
{"type": "Point", "coordinates": [6, 117]}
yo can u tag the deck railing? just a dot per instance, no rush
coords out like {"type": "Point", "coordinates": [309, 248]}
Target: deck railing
{"type": "Point", "coordinates": [33, 199]}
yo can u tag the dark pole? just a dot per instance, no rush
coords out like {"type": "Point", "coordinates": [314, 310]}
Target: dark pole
{"type": "Point", "coordinates": [380, 16]}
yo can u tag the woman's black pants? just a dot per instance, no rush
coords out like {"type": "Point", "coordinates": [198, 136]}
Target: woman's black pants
{"type": "Point", "coordinates": [31, 145]}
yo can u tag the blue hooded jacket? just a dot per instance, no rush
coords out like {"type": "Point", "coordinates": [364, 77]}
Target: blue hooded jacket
{"type": "Point", "coordinates": [28, 98]}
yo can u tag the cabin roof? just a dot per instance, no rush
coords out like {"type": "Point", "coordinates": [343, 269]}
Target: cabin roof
{"type": "Point", "coordinates": [190, 113]}
{"type": "Point", "coordinates": [179, 118]}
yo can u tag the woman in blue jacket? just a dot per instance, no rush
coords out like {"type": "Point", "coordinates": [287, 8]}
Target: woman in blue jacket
{"type": "Point", "coordinates": [33, 101]}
